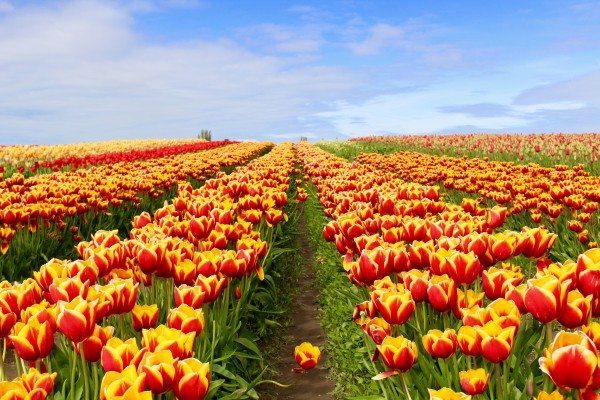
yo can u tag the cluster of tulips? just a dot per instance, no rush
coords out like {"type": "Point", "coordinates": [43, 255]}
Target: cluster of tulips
{"type": "Point", "coordinates": [157, 312]}
{"type": "Point", "coordinates": [572, 148]}
{"type": "Point", "coordinates": [123, 156]}
{"type": "Point", "coordinates": [454, 307]}
{"type": "Point", "coordinates": [26, 155]}
{"type": "Point", "coordinates": [25, 203]}
{"type": "Point", "coordinates": [546, 193]}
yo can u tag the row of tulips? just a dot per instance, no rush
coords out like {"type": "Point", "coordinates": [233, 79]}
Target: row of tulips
{"type": "Point", "coordinates": [68, 205]}
{"type": "Point", "coordinates": [546, 149]}
{"type": "Point", "coordinates": [131, 155]}
{"type": "Point", "coordinates": [564, 199]}
{"type": "Point", "coordinates": [161, 312]}
{"type": "Point", "coordinates": [24, 156]}
{"type": "Point", "coordinates": [449, 312]}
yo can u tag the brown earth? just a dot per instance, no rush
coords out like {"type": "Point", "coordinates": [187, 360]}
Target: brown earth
{"type": "Point", "coordinates": [304, 327]}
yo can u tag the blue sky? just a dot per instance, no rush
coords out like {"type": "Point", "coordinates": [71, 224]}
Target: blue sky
{"type": "Point", "coordinates": [89, 70]}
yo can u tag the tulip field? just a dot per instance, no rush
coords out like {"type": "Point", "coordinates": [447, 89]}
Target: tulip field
{"type": "Point", "coordinates": [446, 267]}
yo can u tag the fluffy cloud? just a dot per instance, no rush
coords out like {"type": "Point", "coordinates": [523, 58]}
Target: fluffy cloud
{"type": "Point", "coordinates": [81, 71]}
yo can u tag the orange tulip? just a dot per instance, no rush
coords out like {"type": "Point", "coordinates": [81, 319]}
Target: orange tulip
{"type": "Point", "coordinates": [464, 268]}
{"type": "Point", "coordinates": [163, 338]}
{"type": "Point", "coordinates": [192, 379]}
{"type": "Point", "coordinates": [570, 361]}
{"type": "Point", "coordinates": [440, 344]}
{"type": "Point", "coordinates": [469, 341]}
{"type": "Point", "coordinates": [193, 296]}
{"type": "Point", "coordinates": [398, 353]}
{"type": "Point", "coordinates": [66, 289]}
{"type": "Point", "coordinates": [503, 312]}
{"type": "Point", "coordinates": [545, 298]}
{"type": "Point", "coordinates": [497, 281]}
{"type": "Point", "coordinates": [77, 318]}
{"type": "Point", "coordinates": [550, 396]}
{"type": "Point", "coordinates": [588, 272]}
{"type": "Point", "coordinates": [395, 307]}
{"type": "Point", "coordinates": [593, 332]}
{"type": "Point", "coordinates": [123, 383]}
{"type": "Point", "coordinates": [307, 356]}
{"type": "Point", "coordinates": [577, 310]}
{"type": "Point", "coordinates": [442, 292]}
{"type": "Point", "coordinates": [212, 286]}
{"type": "Point", "coordinates": [186, 319]}
{"type": "Point", "coordinates": [496, 342]}
{"type": "Point", "coordinates": [124, 295]}
{"type": "Point", "coordinates": [34, 381]}
{"type": "Point", "coordinates": [474, 381]}
{"type": "Point", "coordinates": [447, 394]}
{"type": "Point", "coordinates": [377, 329]}
{"type": "Point", "coordinates": [32, 340]}
{"type": "Point", "coordinates": [116, 355]}
{"type": "Point", "coordinates": [417, 281]}
{"type": "Point", "coordinates": [144, 316]}
{"type": "Point", "coordinates": [92, 346]}
{"type": "Point", "coordinates": [159, 368]}
{"type": "Point", "coordinates": [7, 321]}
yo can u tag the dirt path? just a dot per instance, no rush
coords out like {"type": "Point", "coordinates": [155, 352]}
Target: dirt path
{"type": "Point", "coordinates": [305, 327]}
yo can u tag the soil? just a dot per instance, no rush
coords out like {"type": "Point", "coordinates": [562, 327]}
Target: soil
{"type": "Point", "coordinates": [304, 327]}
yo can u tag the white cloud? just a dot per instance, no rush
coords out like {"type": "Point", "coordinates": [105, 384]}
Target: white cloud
{"type": "Point", "coordinates": [80, 72]}
{"type": "Point", "coordinates": [380, 36]}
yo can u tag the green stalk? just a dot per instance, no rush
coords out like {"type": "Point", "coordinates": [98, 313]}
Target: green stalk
{"type": "Point", "coordinates": [405, 387]}
{"type": "Point", "coordinates": [86, 377]}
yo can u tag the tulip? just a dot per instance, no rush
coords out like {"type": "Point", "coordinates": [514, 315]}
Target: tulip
{"type": "Point", "coordinates": [503, 312]}
{"type": "Point", "coordinates": [7, 321]}
{"type": "Point", "coordinates": [117, 354]}
{"type": "Point", "coordinates": [442, 293]}
{"type": "Point", "coordinates": [92, 346]}
{"type": "Point", "coordinates": [464, 268]}
{"type": "Point", "coordinates": [474, 381]}
{"type": "Point", "coordinates": [34, 381]}
{"type": "Point", "coordinates": [33, 340]}
{"type": "Point", "coordinates": [77, 318]}
{"type": "Point", "coordinates": [550, 396]}
{"type": "Point", "coordinates": [496, 342]}
{"type": "Point", "coordinates": [593, 332]}
{"type": "Point", "coordinates": [588, 272]}
{"type": "Point", "coordinates": [122, 383]}
{"type": "Point", "coordinates": [440, 344]}
{"type": "Point", "coordinates": [417, 281]}
{"type": "Point", "coordinates": [470, 299]}
{"type": "Point", "coordinates": [66, 289]}
{"type": "Point", "coordinates": [144, 316]}
{"type": "Point", "coordinates": [570, 361]}
{"type": "Point", "coordinates": [469, 341]}
{"type": "Point", "coordinates": [497, 281]}
{"type": "Point", "coordinates": [502, 245]}
{"type": "Point", "coordinates": [186, 319]}
{"type": "Point", "coordinates": [159, 368]}
{"type": "Point", "coordinates": [184, 272]}
{"type": "Point", "coordinates": [307, 356]}
{"type": "Point", "coordinates": [577, 310]}
{"type": "Point", "coordinates": [447, 394]}
{"type": "Point", "coordinates": [124, 295]}
{"type": "Point", "coordinates": [398, 353]}
{"type": "Point", "coordinates": [377, 329]}
{"type": "Point", "coordinates": [192, 379]}
{"type": "Point", "coordinates": [212, 287]}
{"type": "Point", "coordinates": [545, 298]}
{"type": "Point", "coordinates": [163, 338]}
{"type": "Point", "coordinates": [394, 307]}
{"type": "Point", "coordinates": [193, 296]}
{"type": "Point", "coordinates": [517, 295]}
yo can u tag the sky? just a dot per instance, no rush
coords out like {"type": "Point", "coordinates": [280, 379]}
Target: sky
{"type": "Point", "coordinates": [74, 71]}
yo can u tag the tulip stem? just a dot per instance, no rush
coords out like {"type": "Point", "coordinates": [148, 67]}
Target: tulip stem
{"type": "Point", "coordinates": [73, 369]}
{"type": "Point", "coordinates": [403, 378]}
{"type": "Point", "coordinates": [499, 394]}
{"type": "Point", "coordinates": [86, 378]}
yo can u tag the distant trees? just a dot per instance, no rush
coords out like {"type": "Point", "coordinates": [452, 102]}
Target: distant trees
{"type": "Point", "coordinates": [205, 134]}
